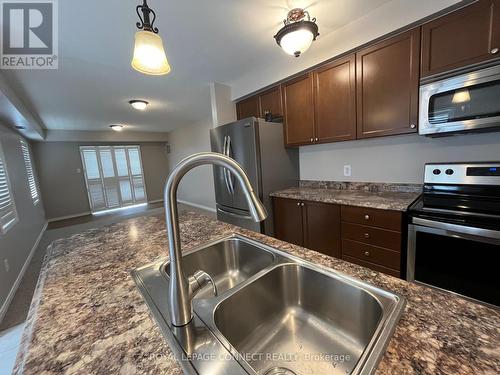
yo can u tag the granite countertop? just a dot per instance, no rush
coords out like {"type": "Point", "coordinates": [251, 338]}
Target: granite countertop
{"type": "Point", "coordinates": [395, 197]}
{"type": "Point", "coordinates": [87, 317]}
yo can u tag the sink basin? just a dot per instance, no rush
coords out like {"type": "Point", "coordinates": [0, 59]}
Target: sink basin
{"type": "Point", "coordinates": [229, 262]}
{"type": "Point", "coordinates": [320, 323]}
{"type": "Point", "coordinates": [275, 314]}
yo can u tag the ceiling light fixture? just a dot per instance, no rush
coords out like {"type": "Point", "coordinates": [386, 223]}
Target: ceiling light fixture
{"type": "Point", "coordinates": [298, 33]}
{"type": "Point", "coordinates": [149, 54]}
{"type": "Point", "coordinates": [116, 128]}
{"type": "Point", "coordinates": [140, 105]}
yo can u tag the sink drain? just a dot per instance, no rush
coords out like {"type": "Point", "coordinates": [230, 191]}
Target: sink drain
{"type": "Point", "coordinates": [279, 371]}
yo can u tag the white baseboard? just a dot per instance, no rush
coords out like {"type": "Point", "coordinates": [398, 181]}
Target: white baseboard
{"type": "Point", "coordinates": [206, 208]}
{"type": "Point", "coordinates": [27, 262]}
{"type": "Point", "coordinates": [69, 216]}
{"type": "Point", "coordinates": [156, 201]}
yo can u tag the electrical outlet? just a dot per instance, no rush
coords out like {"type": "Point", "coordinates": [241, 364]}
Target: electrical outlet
{"type": "Point", "coordinates": [78, 170]}
{"type": "Point", "coordinates": [6, 265]}
{"type": "Point", "coordinates": [347, 171]}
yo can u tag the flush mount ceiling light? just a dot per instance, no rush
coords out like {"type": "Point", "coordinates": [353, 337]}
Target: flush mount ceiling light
{"type": "Point", "coordinates": [116, 128]}
{"type": "Point", "coordinates": [140, 105]}
{"type": "Point", "coordinates": [149, 55]}
{"type": "Point", "coordinates": [298, 33]}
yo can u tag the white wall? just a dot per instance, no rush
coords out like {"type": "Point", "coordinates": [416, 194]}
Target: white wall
{"type": "Point", "coordinates": [197, 187]}
{"type": "Point", "coordinates": [393, 159]}
{"type": "Point", "coordinates": [17, 244]}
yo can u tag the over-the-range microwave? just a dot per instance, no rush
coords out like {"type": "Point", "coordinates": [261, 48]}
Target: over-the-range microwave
{"type": "Point", "coordinates": [467, 102]}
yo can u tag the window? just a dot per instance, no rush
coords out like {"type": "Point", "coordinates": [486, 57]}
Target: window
{"type": "Point", "coordinates": [8, 212]}
{"type": "Point", "coordinates": [35, 196]}
{"type": "Point", "coordinates": [114, 176]}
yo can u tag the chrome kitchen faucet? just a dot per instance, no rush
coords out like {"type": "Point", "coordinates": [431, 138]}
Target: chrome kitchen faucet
{"type": "Point", "coordinates": [183, 289]}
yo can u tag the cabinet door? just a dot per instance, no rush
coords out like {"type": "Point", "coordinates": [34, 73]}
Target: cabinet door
{"type": "Point", "coordinates": [387, 76]}
{"type": "Point", "coordinates": [299, 111]}
{"type": "Point", "coordinates": [270, 101]}
{"type": "Point", "coordinates": [248, 108]}
{"type": "Point", "coordinates": [466, 36]}
{"type": "Point", "coordinates": [288, 220]}
{"type": "Point", "coordinates": [322, 228]}
{"type": "Point", "coordinates": [335, 100]}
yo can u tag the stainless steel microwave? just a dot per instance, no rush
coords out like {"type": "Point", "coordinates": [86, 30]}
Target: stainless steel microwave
{"type": "Point", "coordinates": [468, 102]}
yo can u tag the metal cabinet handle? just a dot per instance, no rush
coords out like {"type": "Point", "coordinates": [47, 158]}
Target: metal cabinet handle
{"type": "Point", "coordinates": [298, 204]}
{"type": "Point", "coordinates": [312, 140]}
{"type": "Point", "coordinates": [413, 126]}
{"type": "Point", "coordinates": [367, 253]}
{"type": "Point", "coordinates": [367, 235]}
{"type": "Point", "coordinates": [302, 204]}
{"type": "Point", "coordinates": [367, 217]}
{"type": "Point", "coordinates": [317, 139]}
{"type": "Point", "coordinates": [494, 51]}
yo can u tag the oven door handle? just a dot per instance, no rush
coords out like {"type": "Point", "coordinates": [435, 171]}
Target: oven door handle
{"type": "Point", "coordinates": [462, 230]}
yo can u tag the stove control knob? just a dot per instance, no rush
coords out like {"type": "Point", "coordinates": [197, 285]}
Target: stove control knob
{"type": "Point", "coordinates": [436, 171]}
{"type": "Point", "coordinates": [449, 172]}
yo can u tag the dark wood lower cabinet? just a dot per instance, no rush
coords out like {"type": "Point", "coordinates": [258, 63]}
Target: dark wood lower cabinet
{"type": "Point", "coordinates": [322, 228]}
{"type": "Point", "coordinates": [337, 231]}
{"type": "Point", "coordinates": [288, 220]}
{"type": "Point", "coordinates": [310, 224]}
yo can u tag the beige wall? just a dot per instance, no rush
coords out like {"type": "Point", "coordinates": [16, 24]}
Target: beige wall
{"type": "Point", "coordinates": [63, 187]}
{"type": "Point", "coordinates": [393, 159]}
{"type": "Point", "coordinates": [197, 187]}
{"type": "Point", "coordinates": [17, 243]}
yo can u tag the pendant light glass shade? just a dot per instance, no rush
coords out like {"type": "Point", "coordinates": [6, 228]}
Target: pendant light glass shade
{"type": "Point", "coordinates": [149, 55]}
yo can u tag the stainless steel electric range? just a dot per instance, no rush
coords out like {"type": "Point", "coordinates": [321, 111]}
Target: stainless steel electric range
{"type": "Point", "coordinates": [454, 230]}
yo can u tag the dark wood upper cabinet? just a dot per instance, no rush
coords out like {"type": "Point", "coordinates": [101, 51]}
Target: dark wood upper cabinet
{"type": "Point", "coordinates": [298, 105]}
{"type": "Point", "coordinates": [248, 107]}
{"type": "Point", "coordinates": [387, 75]}
{"type": "Point", "coordinates": [322, 228]}
{"type": "Point", "coordinates": [335, 100]}
{"type": "Point", "coordinates": [467, 36]}
{"type": "Point", "coordinates": [288, 220]}
{"type": "Point", "coordinates": [270, 101]}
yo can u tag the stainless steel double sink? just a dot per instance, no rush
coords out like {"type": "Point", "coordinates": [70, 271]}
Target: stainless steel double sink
{"type": "Point", "coordinates": [274, 314]}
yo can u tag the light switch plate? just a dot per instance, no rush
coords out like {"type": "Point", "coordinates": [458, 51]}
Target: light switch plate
{"type": "Point", "coordinates": [347, 171]}
{"type": "Point", "coordinates": [6, 265]}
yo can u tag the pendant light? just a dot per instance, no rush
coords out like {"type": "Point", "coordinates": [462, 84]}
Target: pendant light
{"type": "Point", "coordinates": [149, 54]}
{"type": "Point", "coordinates": [298, 32]}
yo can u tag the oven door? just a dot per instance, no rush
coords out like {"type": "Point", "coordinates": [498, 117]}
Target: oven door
{"type": "Point", "coordinates": [462, 103]}
{"type": "Point", "coordinates": [455, 258]}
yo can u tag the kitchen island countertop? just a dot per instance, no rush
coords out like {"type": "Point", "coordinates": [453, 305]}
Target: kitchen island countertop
{"type": "Point", "coordinates": [87, 317]}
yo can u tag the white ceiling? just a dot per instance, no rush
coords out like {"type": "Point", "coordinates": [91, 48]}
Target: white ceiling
{"type": "Point", "coordinates": [206, 41]}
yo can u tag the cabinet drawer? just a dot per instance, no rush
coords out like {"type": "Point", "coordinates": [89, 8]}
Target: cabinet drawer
{"type": "Point", "coordinates": [373, 254]}
{"type": "Point", "coordinates": [373, 266]}
{"type": "Point", "coordinates": [372, 217]}
{"type": "Point", "coordinates": [372, 236]}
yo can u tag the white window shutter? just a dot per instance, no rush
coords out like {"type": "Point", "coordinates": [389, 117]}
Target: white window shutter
{"type": "Point", "coordinates": [114, 176]}
{"type": "Point", "coordinates": [8, 212]}
{"type": "Point", "coordinates": [33, 187]}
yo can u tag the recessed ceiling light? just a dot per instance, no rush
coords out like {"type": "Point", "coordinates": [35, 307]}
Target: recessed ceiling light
{"type": "Point", "coordinates": [140, 105]}
{"type": "Point", "coordinates": [116, 128]}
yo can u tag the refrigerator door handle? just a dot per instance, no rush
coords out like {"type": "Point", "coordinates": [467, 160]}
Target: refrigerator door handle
{"type": "Point", "coordinates": [224, 170]}
{"type": "Point", "coordinates": [229, 176]}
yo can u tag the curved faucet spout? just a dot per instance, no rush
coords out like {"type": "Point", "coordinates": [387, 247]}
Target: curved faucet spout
{"type": "Point", "coordinates": [181, 292]}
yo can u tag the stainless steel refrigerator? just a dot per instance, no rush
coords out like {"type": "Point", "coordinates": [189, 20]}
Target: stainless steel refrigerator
{"type": "Point", "coordinates": [259, 148]}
